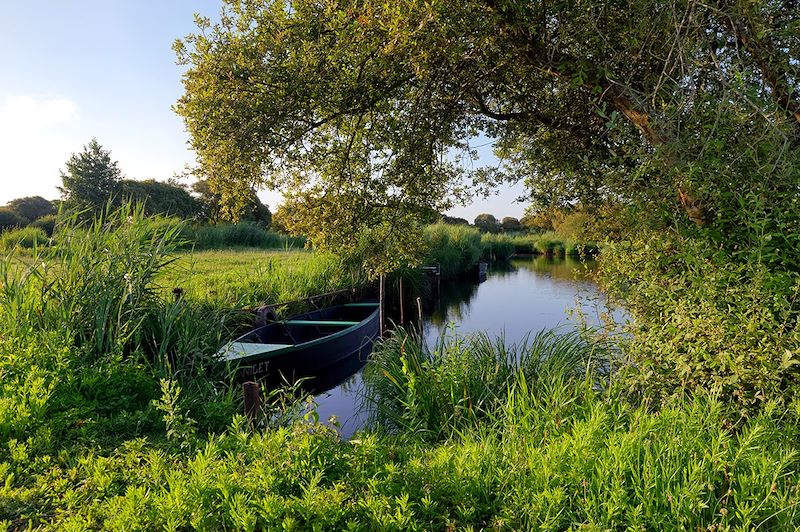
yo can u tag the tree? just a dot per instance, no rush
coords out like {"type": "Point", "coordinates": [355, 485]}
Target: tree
{"type": "Point", "coordinates": [510, 224]}
{"type": "Point", "coordinates": [32, 207]}
{"type": "Point", "coordinates": [454, 220]}
{"type": "Point", "coordinates": [161, 198]}
{"type": "Point", "coordinates": [487, 223]}
{"type": "Point", "coordinates": [91, 179]}
{"type": "Point", "coordinates": [356, 108]}
{"type": "Point", "coordinates": [213, 209]}
{"type": "Point", "coordinates": [9, 218]}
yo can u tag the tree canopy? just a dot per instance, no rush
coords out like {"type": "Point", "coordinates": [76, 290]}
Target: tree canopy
{"type": "Point", "coordinates": [32, 207]}
{"type": "Point", "coordinates": [91, 178]}
{"type": "Point", "coordinates": [161, 198]}
{"type": "Point", "coordinates": [487, 223]}
{"type": "Point", "coordinates": [364, 112]}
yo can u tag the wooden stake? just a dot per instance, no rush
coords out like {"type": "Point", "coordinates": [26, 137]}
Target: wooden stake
{"type": "Point", "coordinates": [252, 400]}
{"type": "Point", "coordinates": [382, 284]}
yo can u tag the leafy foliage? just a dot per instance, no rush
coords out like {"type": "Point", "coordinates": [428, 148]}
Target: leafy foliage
{"type": "Point", "coordinates": [160, 198]}
{"type": "Point", "coordinates": [10, 218]}
{"type": "Point", "coordinates": [32, 208]}
{"type": "Point", "coordinates": [487, 223]}
{"type": "Point", "coordinates": [91, 179]}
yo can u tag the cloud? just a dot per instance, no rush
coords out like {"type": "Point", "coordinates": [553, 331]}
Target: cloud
{"type": "Point", "coordinates": [37, 136]}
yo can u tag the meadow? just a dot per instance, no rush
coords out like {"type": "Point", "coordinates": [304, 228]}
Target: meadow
{"type": "Point", "coordinates": [114, 415]}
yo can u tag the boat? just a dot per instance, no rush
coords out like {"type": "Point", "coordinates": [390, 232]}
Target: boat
{"type": "Point", "coordinates": [306, 345]}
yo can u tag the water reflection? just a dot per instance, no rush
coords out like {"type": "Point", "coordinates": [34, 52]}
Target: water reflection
{"type": "Point", "coordinates": [526, 294]}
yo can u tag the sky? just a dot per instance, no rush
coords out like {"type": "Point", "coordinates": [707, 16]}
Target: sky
{"type": "Point", "coordinates": [75, 70]}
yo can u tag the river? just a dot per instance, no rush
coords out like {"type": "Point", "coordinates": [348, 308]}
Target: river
{"type": "Point", "coordinates": [520, 297]}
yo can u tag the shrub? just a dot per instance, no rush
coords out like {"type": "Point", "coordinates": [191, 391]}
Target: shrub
{"type": "Point", "coordinates": [25, 238]}
{"type": "Point", "coordinates": [46, 224]}
{"type": "Point", "coordinates": [702, 320]}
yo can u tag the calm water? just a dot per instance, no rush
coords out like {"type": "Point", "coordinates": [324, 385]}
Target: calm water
{"type": "Point", "coordinates": [517, 298]}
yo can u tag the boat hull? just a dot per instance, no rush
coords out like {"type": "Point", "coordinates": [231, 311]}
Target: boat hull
{"type": "Point", "coordinates": [306, 346]}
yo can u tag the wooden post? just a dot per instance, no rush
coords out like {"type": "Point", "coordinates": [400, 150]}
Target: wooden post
{"type": "Point", "coordinates": [252, 400]}
{"type": "Point", "coordinates": [402, 314]}
{"type": "Point", "coordinates": [382, 285]}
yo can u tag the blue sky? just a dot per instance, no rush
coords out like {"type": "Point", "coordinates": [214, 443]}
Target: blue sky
{"type": "Point", "coordinates": [73, 70]}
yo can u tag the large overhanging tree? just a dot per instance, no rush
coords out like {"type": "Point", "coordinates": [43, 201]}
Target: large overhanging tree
{"type": "Point", "coordinates": [363, 112]}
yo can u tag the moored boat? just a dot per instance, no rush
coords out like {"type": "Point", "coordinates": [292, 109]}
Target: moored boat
{"type": "Point", "coordinates": [305, 345]}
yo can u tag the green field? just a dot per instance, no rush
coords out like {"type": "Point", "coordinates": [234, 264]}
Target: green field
{"type": "Point", "coordinates": [246, 277]}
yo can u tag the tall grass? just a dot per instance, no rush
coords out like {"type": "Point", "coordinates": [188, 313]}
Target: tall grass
{"type": "Point", "coordinates": [549, 451]}
{"type": "Point", "coordinates": [551, 243]}
{"type": "Point", "coordinates": [78, 315]}
{"type": "Point", "coordinates": [453, 247]}
{"type": "Point", "coordinates": [437, 392]}
{"type": "Point", "coordinates": [242, 234]}
{"type": "Point", "coordinates": [496, 247]}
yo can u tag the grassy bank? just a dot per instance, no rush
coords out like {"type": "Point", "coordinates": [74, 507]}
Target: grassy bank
{"type": "Point", "coordinates": [249, 276]}
{"type": "Point", "coordinates": [490, 447]}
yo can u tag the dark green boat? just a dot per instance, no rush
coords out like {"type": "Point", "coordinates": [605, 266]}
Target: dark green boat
{"type": "Point", "coordinates": [305, 345]}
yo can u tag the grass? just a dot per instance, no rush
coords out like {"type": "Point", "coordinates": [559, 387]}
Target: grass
{"type": "Point", "coordinates": [242, 234]}
{"type": "Point", "coordinates": [247, 277]}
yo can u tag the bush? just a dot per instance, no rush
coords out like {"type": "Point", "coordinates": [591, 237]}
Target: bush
{"type": "Point", "coordinates": [25, 238]}
{"type": "Point", "coordinates": [701, 320]}
{"type": "Point", "coordinates": [46, 224]}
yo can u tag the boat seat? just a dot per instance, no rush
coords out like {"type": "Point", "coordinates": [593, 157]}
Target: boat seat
{"type": "Point", "coordinates": [332, 323]}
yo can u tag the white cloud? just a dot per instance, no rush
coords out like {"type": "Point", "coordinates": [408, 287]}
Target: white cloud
{"type": "Point", "coordinates": [37, 135]}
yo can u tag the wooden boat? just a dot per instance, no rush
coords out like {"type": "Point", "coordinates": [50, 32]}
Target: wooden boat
{"type": "Point", "coordinates": [305, 345]}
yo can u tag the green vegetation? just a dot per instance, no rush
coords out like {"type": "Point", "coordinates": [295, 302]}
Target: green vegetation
{"type": "Point", "coordinates": [249, 277]}
{"type": "Point", "coordinates": [25, 238]}
{"type": "Point", "coordinates": [483, 444]}
{"type": "Point", "coordinates": [242, 234]}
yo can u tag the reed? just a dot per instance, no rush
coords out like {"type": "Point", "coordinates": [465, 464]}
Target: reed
{"type": "Point", "coordinates": [453, 247]}
{"type": "Point", "coordinates": [437, 392]}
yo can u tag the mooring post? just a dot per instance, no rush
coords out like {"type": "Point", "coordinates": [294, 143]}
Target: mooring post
{"type": "Point", "coordinates": [382, 289]}
{"type": "Point", "coordinates": [252, 400]}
